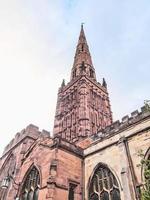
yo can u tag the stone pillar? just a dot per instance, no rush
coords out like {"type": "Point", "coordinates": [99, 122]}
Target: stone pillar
{"type": "Point", "coordinates": [127, 184]}
{"type": "Point", "coordinates": [51, 191]}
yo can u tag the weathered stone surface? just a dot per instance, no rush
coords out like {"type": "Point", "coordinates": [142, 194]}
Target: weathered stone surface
{"type": "Point", "coordinates": [83, 105]}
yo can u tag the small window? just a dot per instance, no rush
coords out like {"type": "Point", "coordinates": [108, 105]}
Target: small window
{"type": "Point", "coordinates": [82, 48]}
{"type": "Point", "coordinates": [71, 191]}
{"type": "Point", "coordinates": [74, 73]}
{"type": "Point", "coordinates": [91, 73]}
{"type": "Point", "coordinates": [82, 67]}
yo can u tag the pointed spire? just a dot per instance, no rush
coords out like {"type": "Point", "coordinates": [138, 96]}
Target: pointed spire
{"type": "Point", "coordinates": [63, 83]}
{"type": "Point", "coordinates": [104, 84]}
{"type": "Point", "coordinates": [82, 60]}
{"type": "Point", "coordinates": [82, 38]}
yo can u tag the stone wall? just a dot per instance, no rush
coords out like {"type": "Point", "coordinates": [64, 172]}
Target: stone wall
{"type": "Point", "coordinates": [15, 151]}
{"type": "Point", "coordinates": [58, 162]}
{"type": "Point", "coordinates": [30, 131]}
{"type": "Point", "coordinates": [118, 148]}
{"type": "Point", "coordinates": [58, 167]}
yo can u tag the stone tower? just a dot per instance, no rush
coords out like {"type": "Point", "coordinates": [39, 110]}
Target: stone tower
{"type": "Point", "coordinates": [83, 105]}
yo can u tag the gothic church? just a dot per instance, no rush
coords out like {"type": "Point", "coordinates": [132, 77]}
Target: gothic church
{"type": "Point", "coordinates": [89, 157]}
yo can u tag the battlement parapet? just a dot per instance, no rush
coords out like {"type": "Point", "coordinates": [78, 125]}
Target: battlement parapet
{"type": "Point", "coordinates": [126, 121]}
{"type": "Point", "coordinates": [45, 133]}
{"type": "Point", "coordinates": [31, 131]}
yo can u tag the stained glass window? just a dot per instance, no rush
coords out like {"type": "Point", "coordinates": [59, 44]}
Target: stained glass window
{"type": "Point", "coordinates": [103, 185]}
{"type": "Point", "coordinates": [31, 185]}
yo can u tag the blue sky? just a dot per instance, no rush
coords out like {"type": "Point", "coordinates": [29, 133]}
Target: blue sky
{"type": "Point", "coordinates": [37, 46]}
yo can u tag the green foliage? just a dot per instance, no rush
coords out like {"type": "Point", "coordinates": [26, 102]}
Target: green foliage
{"type": "Point", "coordinates": [147, 105]}
{"type": "Point", "coordinates": [145, 163]}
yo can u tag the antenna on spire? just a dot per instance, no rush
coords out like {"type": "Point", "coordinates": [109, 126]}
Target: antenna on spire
{"type": "Point", "coordinates": [82, 24]}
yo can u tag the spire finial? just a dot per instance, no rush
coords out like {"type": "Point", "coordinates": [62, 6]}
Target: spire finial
{"type": "Point", "coordinates": [82, 28]}
{"type": "Point", "coordinates": [82, 25]}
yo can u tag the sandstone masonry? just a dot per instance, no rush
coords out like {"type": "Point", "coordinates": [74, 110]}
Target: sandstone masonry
{"type": "Point", "coordinates": [89, 157]}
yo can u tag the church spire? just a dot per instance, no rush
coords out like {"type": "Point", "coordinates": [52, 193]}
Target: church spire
{"type": "Point", "coordinates": [82, 60]}
{"type": "Point", "coordinates": [83, 105]}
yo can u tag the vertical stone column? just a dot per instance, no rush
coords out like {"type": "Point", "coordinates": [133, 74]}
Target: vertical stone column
{"type": "Point", "coordinates": [51, 184]}
{"type": "Point", "coordinates": [50, 190]}
{"type": "Point", "coordinates": [78, 193]}
{"type": "Point", "coordinates": [128, 189]}
{"type": "Point", "coordinates": [82, 109]}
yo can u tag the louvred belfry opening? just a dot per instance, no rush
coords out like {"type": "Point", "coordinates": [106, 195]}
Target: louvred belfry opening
{"type": "Point", "coordinates": [83, 106]}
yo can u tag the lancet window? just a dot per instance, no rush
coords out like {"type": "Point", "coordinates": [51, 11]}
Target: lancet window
{"type": "Point", "coordinates": [71, 191]}
{"type": "Point", "coordinates": [30, 190]}
{"type": "Point", "coordinates": [103, 185]}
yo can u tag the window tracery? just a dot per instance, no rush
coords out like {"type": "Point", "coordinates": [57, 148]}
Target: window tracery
{"type": "Point", "coordinates": [30, 190]}
{"type": "Point", "coordinates": [104, 185]}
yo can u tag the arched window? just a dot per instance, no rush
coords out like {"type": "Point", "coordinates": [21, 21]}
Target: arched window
{"type": "Point", "coordinates": [30, 189]}
{"type": "Point", "coordinates": [71, 191]}
{"type": "Point", "coordinates": [103, 185]}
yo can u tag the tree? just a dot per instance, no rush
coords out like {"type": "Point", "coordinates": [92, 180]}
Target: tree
{"type": "Point", "coordinates": [145, 163]}
{"type": "Point", "coordinates": [147, 105]}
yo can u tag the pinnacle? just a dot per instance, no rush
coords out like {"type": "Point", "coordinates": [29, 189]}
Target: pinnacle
{"type": "Point", "coordinates": [104, 84]}
{"type": "Point", "coordinates": [63, 83]}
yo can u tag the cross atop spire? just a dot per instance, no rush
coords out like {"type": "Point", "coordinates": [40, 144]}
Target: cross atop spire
{"type": "Point", "coordinates": [82, 60]}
